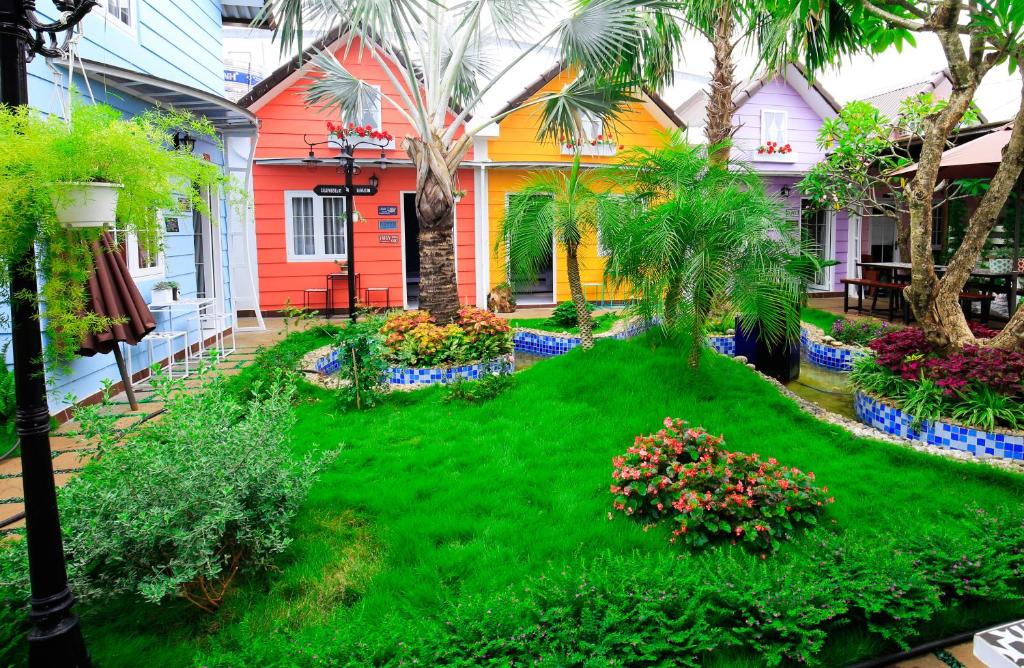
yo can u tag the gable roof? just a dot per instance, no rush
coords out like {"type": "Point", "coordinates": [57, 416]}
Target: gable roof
{"type": "Point", "coordinates": [888, 102]}
{"type": "Point", "coordinates": [556, 69]}
{"type": "Point", "coordinates": [283, 75]}
{"type": "Point", "coordinates": [813, 92]}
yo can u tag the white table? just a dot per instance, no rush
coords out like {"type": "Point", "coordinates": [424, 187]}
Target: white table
{"type": "Point", "coordinates": [177, 308]}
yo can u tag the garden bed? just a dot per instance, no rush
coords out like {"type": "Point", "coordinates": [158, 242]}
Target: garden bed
{"type": "Point", "coordinates": [824, 351]}
{"type": "Point", "coordinates": [457, 533]}
{"type": "Point", "coordinates": [547, 343]}
{"type": "Point", "coordinates": [321, 364]}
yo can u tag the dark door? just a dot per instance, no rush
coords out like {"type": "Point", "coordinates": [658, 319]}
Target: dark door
{"type": "Point", "coordinates": [411, 230]}
{"type": "Point", "coordinates": [537, 289]}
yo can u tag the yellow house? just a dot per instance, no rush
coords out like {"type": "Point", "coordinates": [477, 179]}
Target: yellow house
{"type": "Point", "coordinates": [511, 155]}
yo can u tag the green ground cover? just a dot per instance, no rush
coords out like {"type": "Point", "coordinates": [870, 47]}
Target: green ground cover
{"type": "Point", "coordinates": [472, 534]}
{"type": "Point", "coordinates": [602, 323]}
{"type": "Point", "coordinates": [820, 318]}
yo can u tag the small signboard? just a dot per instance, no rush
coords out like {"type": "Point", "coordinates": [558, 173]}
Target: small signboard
{"type": "Point", "coordinates": [387, 224]}
{"type": "Point", "coordinates": [1002, 646]}
{"type": "Point", "coordinates": [329, 190]}
{"type": "Point", "coordinates": [172, 225]}
{"type": "Point", "coordinates": [387, 238]}
{"type": "Point", "coordinates": [387, 210]}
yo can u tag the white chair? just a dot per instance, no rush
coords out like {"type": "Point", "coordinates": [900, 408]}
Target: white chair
{"type": "Point", "coordinates": [217, 322]}
{"type": "Point", "coordinates": [169, 338]}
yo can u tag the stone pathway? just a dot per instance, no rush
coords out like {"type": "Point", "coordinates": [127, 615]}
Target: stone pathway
{"type": "Point", "coordinates": [70, 454]}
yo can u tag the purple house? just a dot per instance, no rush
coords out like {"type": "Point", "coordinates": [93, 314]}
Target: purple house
{"type": "Point", "coordinates": [777, 118]}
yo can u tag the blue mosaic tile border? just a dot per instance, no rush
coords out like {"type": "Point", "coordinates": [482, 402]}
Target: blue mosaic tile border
{"type": "Point", "coordinates": [826, 356]}
{"type": "Point", "coordinates": [723, 344]}
{"type": "Point", "coordinates": [978, 442]}
{"type": "Point", "coordinates": [442, 375]}
{"type": "Point", "coordinates": [548, 345]}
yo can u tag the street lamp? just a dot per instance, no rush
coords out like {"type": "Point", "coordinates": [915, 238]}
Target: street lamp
{"type": "Point", "coordinates": [347, 162]}
{"type": "Point", "coordinates": [55, 638]}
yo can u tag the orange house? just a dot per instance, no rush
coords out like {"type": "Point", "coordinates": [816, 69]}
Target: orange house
{"type": "Point", "coordinates": [300, 234]}
{"type": "Point", "coordinates": [507, 158]}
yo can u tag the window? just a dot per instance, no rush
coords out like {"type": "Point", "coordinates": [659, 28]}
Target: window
{"type": "Point", "coordinates": [315, 227]}
{"type": "Point", "coordinates": [938, 226]}
{"type": "Point", "coordinates": [593, 126]}
{"type": "Point", "coordinates": [119, 13]}
{"type": "Point", "coordinates": [144, 260]}
{"type": "Point", "coordinates": [370, 114]}
{"type": "Point", "coordinates": [774, 127]}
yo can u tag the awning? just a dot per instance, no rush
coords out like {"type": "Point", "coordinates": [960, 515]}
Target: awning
{"type": "Point", "coordinates": [224, 114]}
{"type": "Point", "coordinates": [976, 159]}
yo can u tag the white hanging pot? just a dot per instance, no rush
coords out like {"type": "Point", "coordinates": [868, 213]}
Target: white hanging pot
{"type": "Point", "coordinates": [85, 204]}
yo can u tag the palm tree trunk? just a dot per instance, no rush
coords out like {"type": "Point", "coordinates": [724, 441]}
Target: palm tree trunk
{"type": "Point", "coordinates": [435, 201]}
{"type": "Point", "coordinates": [720, 108]}
{"type": "Point", "coordinates": [697, 327]}
{"type": "Point", "coordinates": [586, 321]}
{"type": "Point", "coordinates": [673, 296]}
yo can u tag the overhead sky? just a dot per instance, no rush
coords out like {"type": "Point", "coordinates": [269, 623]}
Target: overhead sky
{"type": "Point", "coordinates": [863, 76]}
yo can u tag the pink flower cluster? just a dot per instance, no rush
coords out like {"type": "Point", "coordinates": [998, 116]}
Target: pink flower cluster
{"type": "Point", "coordinates": [711, 493]}
{"type": "Point", "coordinates": [367, 131]}
{"type": "Point", "coordinates": [772, 148]}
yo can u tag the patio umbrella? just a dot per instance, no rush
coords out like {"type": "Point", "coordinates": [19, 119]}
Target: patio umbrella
{"type": "Point", "coordinates": [976, 159]}
{"type": "Point", "coordinates": [113, 294]}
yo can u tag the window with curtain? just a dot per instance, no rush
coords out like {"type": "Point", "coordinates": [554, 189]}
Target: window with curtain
{"type": "Point", "coordinates": [774, 127]}
{"type": "Point", "coordinates": [334, 226]}
{"type": "Point", "coordinates": [303, 226]}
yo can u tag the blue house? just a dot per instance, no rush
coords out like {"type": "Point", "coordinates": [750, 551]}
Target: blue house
{"type": "Point", "coordinates": [133, 55]}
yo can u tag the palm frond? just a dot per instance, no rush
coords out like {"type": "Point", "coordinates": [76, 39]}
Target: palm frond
{"type": "Point", "coordinates": [334, 87]}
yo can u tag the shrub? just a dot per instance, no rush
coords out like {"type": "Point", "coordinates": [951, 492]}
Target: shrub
{"type": "Point", "coordinates": [7, 402]}
{"type": "Point", "coordinates": [565, 315]}
{"type": "Point", "coordinates": [413, 339]}
{"type": "Point", "coordinates": [204, 492]}
{"type": "Point", "coordinates": [858, 332]}
{"type": "Point", "coordinates": [362, 370]}
{"type": "Point", "coordinates": [713, 493]}
{"type": "Point", "coordinates": [986, 408]}
{"type": "Point", "coordinates": [475, 391]}
{"type": "Point", "coordinates": [14, 595]}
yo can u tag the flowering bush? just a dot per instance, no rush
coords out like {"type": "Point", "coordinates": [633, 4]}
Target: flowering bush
{"type": "Point", "coordinates": [415, 340]}
{"type": "Point", "coordinates": [858, 332]}
{"type": "Point", "coordinates": [712, 493]}
{"type": "Point", "coordinates": [599, 140]}
{"type": "Point", "coordinates": [340, 130]}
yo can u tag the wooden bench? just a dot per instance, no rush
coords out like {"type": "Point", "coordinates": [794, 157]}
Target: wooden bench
{"type": "Point", "coordinates": [967, 300]}
{"type": "Point", "coordinates": [895, 294]}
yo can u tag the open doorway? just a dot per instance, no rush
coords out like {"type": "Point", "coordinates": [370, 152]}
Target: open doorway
{"type": "Point", "coordinates": [538, 289]}
{"type": "Point", "coordinates": [411, 249]}
{"type": "Point", "coordinates": [816, 229]}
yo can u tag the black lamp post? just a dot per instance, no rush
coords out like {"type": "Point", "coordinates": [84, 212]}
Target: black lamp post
{"type": "Point", "coordinates": [348, 164]}
{"type": "Point", "coordinates": [55, 638]}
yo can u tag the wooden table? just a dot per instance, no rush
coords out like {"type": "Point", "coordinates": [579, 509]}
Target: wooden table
{"type": "Point", "coordinates": [889, 270]}
{"type": "Point", "coordinates": [331, 278]}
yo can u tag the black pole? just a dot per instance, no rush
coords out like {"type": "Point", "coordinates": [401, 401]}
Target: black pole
{"type": "Point", "coordinates": [350, 233]}
{"type": "Point", "coordinates": [55, 638]}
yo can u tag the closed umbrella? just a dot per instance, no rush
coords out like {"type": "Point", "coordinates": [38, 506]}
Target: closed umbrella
{"type": "Point", "coordinates": [113, 294]}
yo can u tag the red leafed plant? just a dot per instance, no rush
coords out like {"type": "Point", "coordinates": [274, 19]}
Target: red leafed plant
{"type": "Point", "coordinates": [711, 493]}
{"type": "Point", "coordinates": [352, 130]}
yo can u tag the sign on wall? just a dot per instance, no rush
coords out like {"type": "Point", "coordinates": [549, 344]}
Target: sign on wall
{"type": "Point", "coordinates": [172, 225]}
{"type": "Point", "coordinates": [387, 238]}
{"type": "Point", "coordinates": [387, 224]}
{"type": "Point", "coordinates": [387, 210]}
{"type": "Point", "coordinates": [330, 190]}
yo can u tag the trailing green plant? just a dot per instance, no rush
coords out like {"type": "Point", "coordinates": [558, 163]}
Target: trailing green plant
{"type": "Point", "coordinates": [7, 400]}
{"type": "Point", "coordinates": [871, 377]}
{"type": "Point", "coordinates": [565, 314]}
{"type": "Point", "coordinates": [206, 491]}
{"type": "Point", "coordinates": [362, 367]}
{"type": "Point", "coordinates": [476, 391]}
{"type": "Point", "coordinates": [981, 406]}
{"type": "Point", "coordinates": [43, 153]}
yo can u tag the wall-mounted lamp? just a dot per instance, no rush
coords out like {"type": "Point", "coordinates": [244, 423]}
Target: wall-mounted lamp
{"type": "Point", "coordinates": [183, 140]}
{"type": "Point", "coordinates": [310, 160]}
{"type": "Point", "coordinates": [785, 191]}
{"type": "Point", "coordinates": [374, 181]}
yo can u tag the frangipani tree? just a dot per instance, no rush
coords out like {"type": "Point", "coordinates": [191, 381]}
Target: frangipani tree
{"type": "Point", "coordinates": [710, 227]}
{"type": "Point", "coordinates": [439, 56]}
{"type": "Point", "coordinates": [559, 204]}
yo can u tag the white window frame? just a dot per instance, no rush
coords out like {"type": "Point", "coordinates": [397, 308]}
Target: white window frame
{"type": "Point", "coordinates": [379, 118]}
{"type": "Point", "coordinates": [318, 229]}
{"type": "Point", "coordinates": [108, 18]}
{"type": "Point", "coordinates": [131, 253]}
{"type": "Point", "coordinates": [785, 126]}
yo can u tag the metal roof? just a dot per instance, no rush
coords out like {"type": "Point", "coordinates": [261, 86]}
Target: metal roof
{"type": "Point", "coordinates": [240, 11]}
{"type": "Point", "coordinates": [224, 114]}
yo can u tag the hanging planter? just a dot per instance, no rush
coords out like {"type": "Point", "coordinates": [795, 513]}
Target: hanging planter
{"type": "Point", "coordinates": [81, 204]}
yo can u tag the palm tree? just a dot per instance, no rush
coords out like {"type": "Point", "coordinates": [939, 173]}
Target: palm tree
{"type": "Point", "coordinates": [711, 228]}
{"type": "Point", "coordinates": [438, 56]}
{"type": "Point", "coordinates": [566, 206]}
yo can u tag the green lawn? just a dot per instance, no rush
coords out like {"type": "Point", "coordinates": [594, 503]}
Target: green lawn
{"type": "Point", "coordinates": [822, 319]}
{"type": "Point", "coordinates": [602, 323]}
{"type": "Point", "coordinates": [458, 533]}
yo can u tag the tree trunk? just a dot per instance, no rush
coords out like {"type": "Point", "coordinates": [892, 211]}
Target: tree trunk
{"type": "Point", "coordinates": [673, 296]}
{"type": "Point", "coordinates": [586, 322]}
{"type": "Point", "coordinates": [701, 308]}
{"type": "Point", "coordinates": [720, 108]}
{"type": "Point", "coordinates": [435, 201]}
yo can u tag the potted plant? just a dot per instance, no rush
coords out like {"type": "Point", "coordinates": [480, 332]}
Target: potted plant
{"type": "Point", "coordinates": [51, 172]}
{"type": "Point", "coordinates": [164, 292]}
